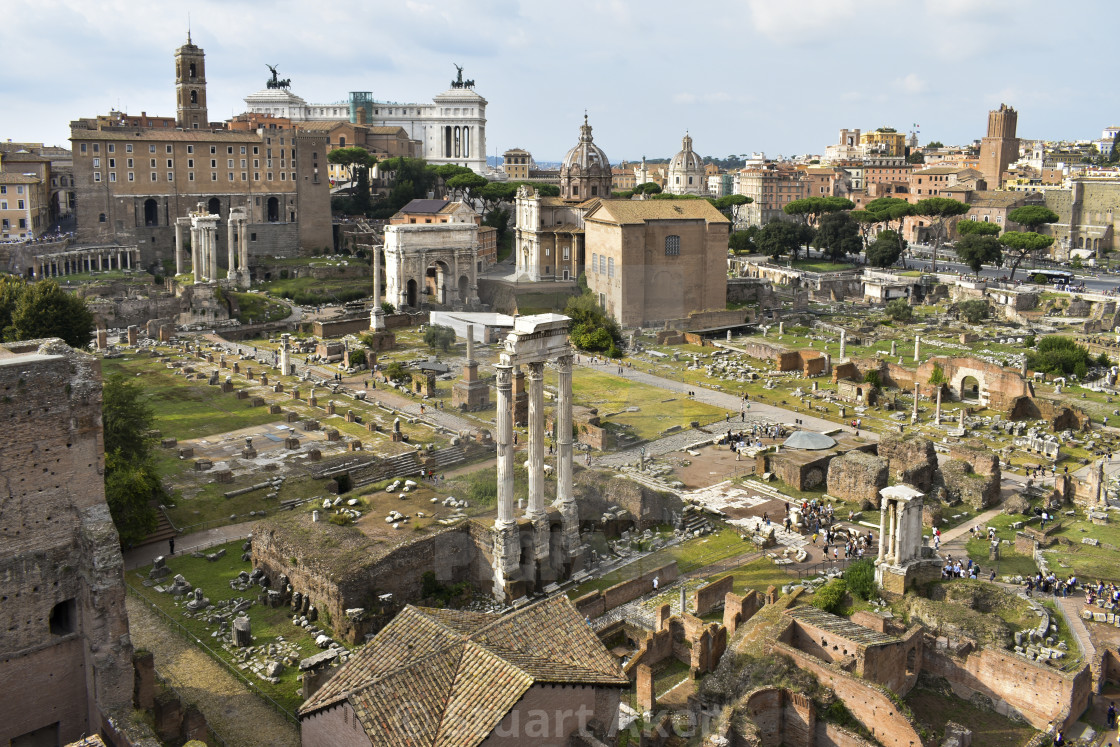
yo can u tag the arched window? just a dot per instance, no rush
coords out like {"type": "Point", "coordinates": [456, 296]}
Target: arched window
{"type": "Point", "coordinates": [273, 210]}
{"type": "Point", "coordinates": [101, 218]}
{"type": "Point", "coordinates": [151, 213]}
{"type": "Point", "coordinates": [194, 97]}
{"type": "Point", "coordinates": [192, 71]}
{"type": "Point", "coordinates": [214, 206]}
{"type": "Point", "coordinates": [341, 141]}
{"type": "Point", "coordinates": [594, 190]}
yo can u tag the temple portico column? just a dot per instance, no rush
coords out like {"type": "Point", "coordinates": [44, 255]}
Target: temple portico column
{"type": "Point", "coordinates": [377, 315]}
{"type": "Point", "coordinates": [883, 530]}
{"type": "Point", "coordinates": [569, 511]}
{"type": "Point", "coordinates": [212, 246]}
{"type": "Point", "coordinates": [196, 253]}
{"type": "Point", "coordinates": [892, 549]}
{"type": "Point", "coordinates": [243, 246]}
{"type": "Point", "coordinates": [231, 257]}
{"type": "Point", "coordinates": [503, 378]}
{"type": "Point", "coordinates": [536, 441]}
{"type": "Point", "coordinates": [178, 248]}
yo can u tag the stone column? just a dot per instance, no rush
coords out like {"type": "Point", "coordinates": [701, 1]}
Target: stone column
{"type": "Point", "coordinates": [231, 256]}
{"type": "Point", "coordinates": [937, 412]}
{"type": "Point", "coordinates": [892, 547]}
{"type": "Point", "coordinates": [377, 314]}
{"type": "Point", "coordinates": [569, 511]}
{"type": "Point", "coordinates": [883, 533]}
{"type": "Point", "coordinates": [781, 328]}
{"type": "Point", "coordinates": [212, 248]}
{"type": "Point", "coordinates": [536, 441]}
{"type": "Point", "coordinates": [917, 346]}
{"type": "Point", "coordinates": [285, 354]}
{"type": "Point", "coordinates": [178, 247]}
{"type": "Point", "coordinates": [243, 246]}
{"type": "Point", "coordinates": [914, 414]}
{"type": "Point", "coordinates": [196, 253]}
{"type": "Point", "coordinates": [503, 378]}
{"type": "Point", "coordinates": [843, 345]}
{"type": "Point", "coordinates": [894, 348]}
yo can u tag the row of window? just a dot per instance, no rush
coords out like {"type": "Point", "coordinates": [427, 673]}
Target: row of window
{"type": "Point", "coordinates": [4, 205]}
{"type": "Point", "coordinates": [4, 189]}
{"type": "Point", "coordinates": [22, 223]}
{"type": "Point", "coordinates": [601, 264]}
{"type": "Point", "coordinates": [111, 147]}
{"type": "Point", "coordinates": [190, 176]}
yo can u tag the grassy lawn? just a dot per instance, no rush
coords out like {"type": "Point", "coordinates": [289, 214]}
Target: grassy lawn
{"type": "Point", "coordinates": [820, 265]}
{"type": "Point", "coordinates": [934, 709]}
{"type": "Point", "coordinates": [256, 307]}
{"type": "Point", "coordinates": [758, 574]}
{"type": "Point", "coordinates": [657, 409]}
{"type": "Point", "coordinates": [268, 624]}
{"type": "Point", "coordinates": [188, 409]}
{"type": "Point", "coordinates": [668, 675]}
{"type": "Point", "coordinates": [311, 291]}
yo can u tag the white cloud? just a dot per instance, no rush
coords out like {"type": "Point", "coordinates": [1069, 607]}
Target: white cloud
{"type": "Point", "coordinates": [913, 84]}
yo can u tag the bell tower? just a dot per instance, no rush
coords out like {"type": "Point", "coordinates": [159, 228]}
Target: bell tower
{"type": "Point", "coordinates": [190, 87]}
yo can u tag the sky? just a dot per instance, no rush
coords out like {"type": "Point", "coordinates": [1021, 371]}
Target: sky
{"type": "Point", "coordinates": [743, 76]}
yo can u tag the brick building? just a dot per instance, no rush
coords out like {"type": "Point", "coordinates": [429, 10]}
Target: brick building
{"type": "Point", "coordinates": [656, 260]}
{"type": "Point", "coordinates": [772, 186]}
{"type": "Point", "coordinates": [132, 182]}
{"type": "Point", "coordinates": [65, 653]}
{"type": "Point", "coordinates": [999, 148]}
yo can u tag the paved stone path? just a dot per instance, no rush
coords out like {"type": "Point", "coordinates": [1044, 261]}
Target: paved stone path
{"type": "Point", "coordinates": [232, 710]}
{"type": "Point", "coordinates": [141, 556]}
{"type": "Point", "coordinates": [1070, 607]}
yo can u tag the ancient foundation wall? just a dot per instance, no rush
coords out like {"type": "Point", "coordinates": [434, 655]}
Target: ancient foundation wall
{"type": "Point", "coordinates": [1039, 695]}
{"type": "Point", "coordinates": [868, 704]}
{"type": "Point", "coordinates": [599, 601]}
{"type": "Point", "coordinates": [783, 717]}
{"type": "Point", "coordinates": [707, 598]}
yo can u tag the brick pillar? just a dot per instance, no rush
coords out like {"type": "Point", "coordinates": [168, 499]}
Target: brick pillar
{"type": "Point", "coordinates": [644, 686]}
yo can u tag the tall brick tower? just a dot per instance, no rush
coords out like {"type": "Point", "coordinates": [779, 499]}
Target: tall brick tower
{"type": "Point", "coordinates": [190, 87]}
{"type": "Point", "coordinates": [1000, 148]}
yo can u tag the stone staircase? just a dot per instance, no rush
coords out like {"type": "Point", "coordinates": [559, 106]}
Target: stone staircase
{"type": "Point", "coordinates": [164, 530]}
{"type": "Point", "coordinates": [694, 521]}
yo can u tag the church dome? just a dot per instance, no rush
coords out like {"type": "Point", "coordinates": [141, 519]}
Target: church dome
{"type": "Point", "coordinates": [586, 155]}
{"type": "Point", "coordinates": [586, 170]}
{"type": "Point", "coordinates": [686, 159]}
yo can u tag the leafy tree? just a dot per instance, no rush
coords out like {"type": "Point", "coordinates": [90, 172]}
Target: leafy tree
{"type": "Point", "coordinates": [408, 179]}
{"type": "Point", "coordinates": [648, 188]}
{"type": "Point", "coordinates": [977, 250]}
{"type": "Point", "coordinates": [1032, 216]}
{"type": "Point", "coordinates": [974, 311]}
{"type": "Point", "coordinates": [780, 237]}
{"type": "Point", "coordinates": [935, 144]}
{"type": "Point", "coordinates": [132, 483]}
{"type": "Point", "coordinates": [43, 309]}
{"type": "Point", "coordinates": [860, 578]}
{"type": "Point", "coordinates": [915, 158]}
{"type": "Point", "coordinates": [811, 208]}
{"type": "Point", "coordinates": [439, 336]}
{"type": "Point", "coordinates": [355, 159]}
{"type": "Point", "coordinates": [499, 219]}
{"type": "Point", "coordinates": [900, 310]}
{"type": "Point", "coordinates": [592, 329]}
{"type": "Point", "coordinates": [939, 210]}
{"type": "Point", "coordinates": [891, 213]}
{"type": "Point", "coordinates": [11, 288]}
{"type": "Point", "coordinates": [872, 377]}
{"type": "Point", "coordinates": [470, 185]}
{"type": "Point", "coordinates": [838, 235]}
{"type": "Point", "coordinates": [729, 205]}
{"type": "Point", "coordinates": [1020, 244]}
{"type": "Point", "coordinates": [937, 376]}
{"type": "Point", "coordinates": [1059, 356]}
{"type": "Point", "coordinates": [885, 250]}
{"type": "Point", "coordinates": [968, 227]}
{"type": "Point", "coordinates": [743, 242]}
{"type": "Point", "coordinates": [395, 371]}
{"type": "Point", "coordinates": [356, 357]}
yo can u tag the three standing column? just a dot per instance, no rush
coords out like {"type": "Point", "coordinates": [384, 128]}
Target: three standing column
{"type": "Point", "coordinates": [503, 377]}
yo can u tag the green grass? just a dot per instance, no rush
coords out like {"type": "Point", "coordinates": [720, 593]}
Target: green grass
{"type": "Point", "coordinates": [658, 409]}
{"type": "Point", "coordinates": [256, 307]}
{"type": "Point", "coordinates": [820, 265]}
{"type": "Point", "coordinates": [668, 675]}
{"type": "Point", "coordinates": [267, 623]}
{"type": "Point", "coordinates": [310, 291]}
{"type": "Point", "coordinates": [188, 409]}
{"type": "Point", "coordinates": [933, 709]}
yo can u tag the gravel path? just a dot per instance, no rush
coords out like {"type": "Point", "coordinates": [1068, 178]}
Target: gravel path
{"type": "Point", "coordinates": [233, 712]}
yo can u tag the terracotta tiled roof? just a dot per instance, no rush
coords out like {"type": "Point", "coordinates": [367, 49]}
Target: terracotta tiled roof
{"type": "Point", "coordinates": [10, 178]}
{"type": "Point", "coordinates": [639, 211]}
{"type": "Point", "coordinates": [435, 678]}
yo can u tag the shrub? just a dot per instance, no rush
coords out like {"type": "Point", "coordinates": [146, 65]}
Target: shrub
{"type": "Point", "coordinates": [438, 336]}
{"type": "Point", "coordinates": [357, 357]}
{"type": "Point", "coordinates": [872, 378]}
{"type": "Point", "coordinates": [339, 519]}
{"type": "Point", "coordinates": [482, 489]}
{"type": "Point", "coordinates": [900, 310]}
{"type": "Point", "coordinates": [388, 308]}
{"type": "Point", "coordinates": [975, 310]}
{"type": "Point", "coordinates": [1059, 355]}
{"type": "Point", "coordinates": [860, 578]}
{"type": "Point", "coordinates": [1028, 341]}
{"type": "Point", "coordinates": [830, 597]}
{"type": "Point", "coordinates": [396, 372]}
{"type": "Point", "coordinates": [283, 274]}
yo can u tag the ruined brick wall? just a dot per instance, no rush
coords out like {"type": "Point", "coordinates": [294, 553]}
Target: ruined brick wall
{"type": "Point", "coordinates": [831, 735]}
{"type": "Point", "coordinates": [870, 706]}
{"type": "Point", "coordinates": [333, 726]}
{"type": "Point", "coordinates": [910, 460]}
{"type": "Point", "coordinates": [738, 609]}
{"type": "Point", "coordinates": [708, 597]}
{"type": "Point", "coordinates": [1037, 694]}
{"type": "Point", "coordinates": [782, 717]}
{"type": "Point", "coordinates": [857, 476]}
{"type": "Point", "coordinates": [62, 609]}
